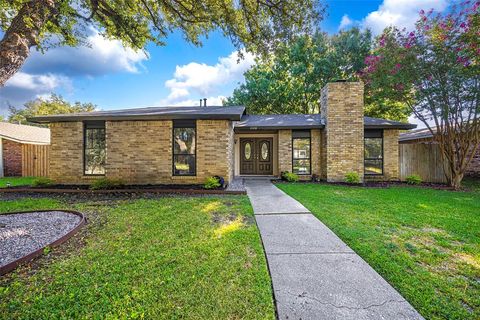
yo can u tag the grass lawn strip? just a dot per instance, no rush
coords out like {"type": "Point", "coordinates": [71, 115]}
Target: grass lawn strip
{"type": "Point", "coordinates": [425, 242]}
{"type": "Point", "coordinates": [16, 181]}
{"type": "Point", "coordinates": [169, 258]}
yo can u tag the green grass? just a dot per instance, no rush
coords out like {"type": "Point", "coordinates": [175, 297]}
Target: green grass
{"type": "Point", "coordinates": [425, 242]}
{"type": "Point", "coordinates": [16, 181]}
{"type": "Point", "coordinates": [168, 258]}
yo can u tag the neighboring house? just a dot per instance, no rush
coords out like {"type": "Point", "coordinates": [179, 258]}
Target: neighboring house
{"type": "Point", "coordinates": [185, 145]}
{"type": "Point", "coordinates": [15, 141]}
{"type": "Point", "coordinates": [424, 137]}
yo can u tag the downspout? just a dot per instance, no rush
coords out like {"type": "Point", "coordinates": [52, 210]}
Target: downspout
{"type": "Point", "coordinates": [1, 157]}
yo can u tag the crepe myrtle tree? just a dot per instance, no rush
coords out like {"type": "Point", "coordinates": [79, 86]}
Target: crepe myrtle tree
{"type": "Point", "coordinates": [435, 70]}
{"type": "Point", "coordinates": [257, 25]}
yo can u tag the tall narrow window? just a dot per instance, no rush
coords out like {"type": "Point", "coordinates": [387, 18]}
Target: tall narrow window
{"type": "Point", "coordinates": [373, 152]}
{"type": "Point", "coordinates": [94, 148]}
{"type": "Point", "coordinates": [184, 148]}
{"type": "Point", "coordinates": [301, 163]}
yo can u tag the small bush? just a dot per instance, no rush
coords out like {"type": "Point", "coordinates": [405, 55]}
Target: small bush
{"type": "Point", "coordinates": [290, 177]}
{"type": "Point", "coordinates": [104, 183]}
{"type": "Point", "coordinates": [42, 182]}
{"type": "Point", "coordinates": [212, 183]}
{"type": "Point", "coordinates": [414, 179]}
{"type": "Point", "coordinates": [352, 177]}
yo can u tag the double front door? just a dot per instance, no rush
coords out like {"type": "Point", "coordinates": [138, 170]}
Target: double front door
{"type": "Point", "coordinates": [256, 156]}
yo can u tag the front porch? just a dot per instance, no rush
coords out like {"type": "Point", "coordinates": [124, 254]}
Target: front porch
{"type": "Point", "coordinates": [267, 150]}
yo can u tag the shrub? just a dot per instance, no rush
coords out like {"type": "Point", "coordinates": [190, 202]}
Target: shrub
{"type": "Point", "coordinates": [414, 179]}
{"type": "Point", "coordinates": [352, 177]}
{"type": "Point", "coordinates": [290, 177]}
{"type": "Point", "coordinates": [220, 180]}
{"type": "Point", "coordinates": [42, 182]}
{"type": "Point", "coordinates": [212, 183]}
{"type": "Point", "coordinates": [104, 183]}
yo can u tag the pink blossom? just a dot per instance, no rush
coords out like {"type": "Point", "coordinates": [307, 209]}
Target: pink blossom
{"type": "Point", "coordinates": [422, 12]}
{"type": "Point", "coordinates": [463, 25]}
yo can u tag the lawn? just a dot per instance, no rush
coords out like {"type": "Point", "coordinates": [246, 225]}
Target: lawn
{"type": "Point", "coordinates": [425, 242]}
{"type": "Point", "coordinates": [165, 258]}
{"type": "Point", "coordinates": [16, 181]}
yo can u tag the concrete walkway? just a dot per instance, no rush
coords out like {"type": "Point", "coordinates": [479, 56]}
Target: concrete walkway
{"type": "Point", "coordinates": [315, 275]}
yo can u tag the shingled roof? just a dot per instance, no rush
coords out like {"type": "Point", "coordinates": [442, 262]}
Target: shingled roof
{"type": "Point", "coordinates": [280, 121]}
{"type": "Point", "coordinates": [308, 121]}
{"type": "Point", "coordinates": [24, 134]}
{"type": "Point", "coordinates": [150, 113]}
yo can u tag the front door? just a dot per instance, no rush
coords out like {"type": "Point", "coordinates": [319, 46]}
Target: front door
{"type": "Point", "coordinates": [256, 156]}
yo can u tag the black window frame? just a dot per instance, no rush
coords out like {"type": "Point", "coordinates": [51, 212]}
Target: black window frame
{"type": "Point", "coordinates": [93, 125]}
{"type": "Point", "coordinates": [302, 134]}
{"type": "Point", "coordinates": [182, 124]}
{"type": "Point", "coordinates": [373, 134]}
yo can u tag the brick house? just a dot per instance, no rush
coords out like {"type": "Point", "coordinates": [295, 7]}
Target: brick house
{"type": "Point", "coordinates": [14, 138]}
{"type": "Point", "coordinates": [185, 145]}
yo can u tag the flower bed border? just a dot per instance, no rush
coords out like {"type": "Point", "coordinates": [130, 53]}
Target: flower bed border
{"type": "Point", "coordinates": [110, 191]}
{"type": "Point", "coordinates": [14, 264]}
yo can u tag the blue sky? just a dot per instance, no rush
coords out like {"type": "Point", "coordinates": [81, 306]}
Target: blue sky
{"type": "Point", "coordinates": [112, 77]}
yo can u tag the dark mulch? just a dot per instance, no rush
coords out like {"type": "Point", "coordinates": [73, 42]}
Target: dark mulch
{"type": "Point", "coordinates": [136, 187]}
{"type": "Point", "coordinates": [380, 184]}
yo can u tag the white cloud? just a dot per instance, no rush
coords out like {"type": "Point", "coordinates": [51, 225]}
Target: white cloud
{"type": "Point", "coordinates": [201, 79]}
{"type": "Point", "coordinates": [42, 74]}
{"type": "Point", "coordinates": [24, 86]}
{"type": "Point", "coordinates": [44, 82]}
{"type": "Point", "coordinates": [102, 56]}
{"type": "Point", "coordinates": [400, 13]}
{"type": "Point", "coordinates": [345, 22]}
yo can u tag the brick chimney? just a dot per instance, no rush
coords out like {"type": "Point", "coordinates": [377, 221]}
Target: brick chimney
{"type": "Point", "coordinates": [341, 108]}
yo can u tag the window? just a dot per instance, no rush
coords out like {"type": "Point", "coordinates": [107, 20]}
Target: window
{"type": "Point", "coordinates": [301, 152]}
{"type": "Point", "coordinates": [94, 148]}
{"type": "Point", "coordinates": [373, 162]}
{"type": "Point", "coordinates": [184, 148]}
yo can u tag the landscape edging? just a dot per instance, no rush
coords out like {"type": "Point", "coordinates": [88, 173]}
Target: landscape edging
{"type": "Point", "coordinates": [14, 264]}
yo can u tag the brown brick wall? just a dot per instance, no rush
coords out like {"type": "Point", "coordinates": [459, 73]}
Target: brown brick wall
{"type": "Point", "coordinates": [390, 155]}
{"type": "Point", "coordinates": [316, 136]}
{"type": "Point", "coordinates": [284, 151]}
{"type": "Point", "coordinates": [66, 153]}
{"type": "Point", "coordinates": [342, 111]}
{"type": "Point", "coordinates": [215, 147]}
{"type": "Point", "coordinates": [12, 158]}
{"type": "Point", "coordinates": [140, 152]}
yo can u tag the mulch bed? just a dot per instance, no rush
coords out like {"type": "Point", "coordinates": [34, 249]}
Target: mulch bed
{"type": "Point", "coordinates": [161, 189]}
{"type": "Point", "coordinates": [379, 184]}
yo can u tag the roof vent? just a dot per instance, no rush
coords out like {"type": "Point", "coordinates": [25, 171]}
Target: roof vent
{"type": "Point", "coordinates": [204, 102]}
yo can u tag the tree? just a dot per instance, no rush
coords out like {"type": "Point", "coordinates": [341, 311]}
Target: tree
{"type": "Point", "coordinates": [291, 80]}
{"type": "Point", "coordinates": [435, 70]}
{"type": "Point", "coordinates": [41, 107]}
{"type": "Point", "coordinates": [257, 25]}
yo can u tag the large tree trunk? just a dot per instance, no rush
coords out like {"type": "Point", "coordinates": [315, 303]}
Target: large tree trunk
{"type": "Point", "coordinates": [22, 34]}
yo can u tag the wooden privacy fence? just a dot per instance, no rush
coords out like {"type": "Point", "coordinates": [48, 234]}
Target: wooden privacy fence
{"type": "Point", "coordinates": [35, 159]}
{"type": "Point", "coordinates": [422, 159]}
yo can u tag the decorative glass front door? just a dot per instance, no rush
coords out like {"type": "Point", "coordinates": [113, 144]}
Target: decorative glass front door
{"type": "Point", "coordinates": [256, 156]}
